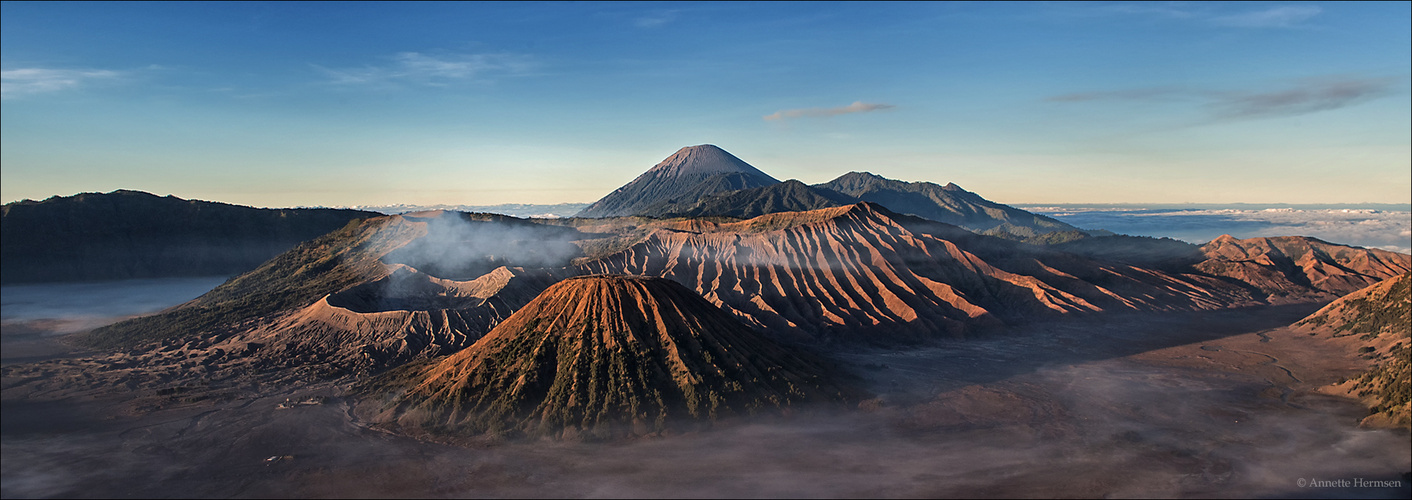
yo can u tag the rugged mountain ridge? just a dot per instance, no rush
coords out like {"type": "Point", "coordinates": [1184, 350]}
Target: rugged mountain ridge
{"type": "Point", "coordinates": [1375, 322]}
{"type": "Point", "coordinates": [706, 181]}
{"type": "Point", "coordinates": [450, 246]}
{"type": "Point", "coordinates": [857, 273]}
{"type": "Point", "coordinates": [1298, 268]}
{"type": "Point", "coordinates": [602, 356]}
{"type": "Point", "coordinates": [132, 234]}
{"type": "Point", "coordinates": [787, 196]}
{"type": "Point", "coordinates": [949, 204]}
{"type": "Point", "coordinates": [863, 273]}
{"type": "Point", "coordinates": [684, 177]}
{"type": "Point", "coordinates": [403, 317]}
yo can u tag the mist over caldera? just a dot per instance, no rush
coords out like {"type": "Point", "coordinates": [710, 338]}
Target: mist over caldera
{"type": "Point", "coordinates": [883, 337]}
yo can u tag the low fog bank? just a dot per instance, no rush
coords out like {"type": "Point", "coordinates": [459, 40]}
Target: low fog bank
{"type": "Point", "coordinates": [1365, 227]}
{"type": "Point", "coordinates": [1172, 406]}
{"type": "Point", "coordinates": [80, 306]}
{"type": "Point", "coordinates": [1103, 429]}
{"type": "Point", "coordinates": [32, 316]}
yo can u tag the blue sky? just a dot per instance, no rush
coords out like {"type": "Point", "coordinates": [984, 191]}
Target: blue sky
{"type": "Point", "coordinates": [286, 104]}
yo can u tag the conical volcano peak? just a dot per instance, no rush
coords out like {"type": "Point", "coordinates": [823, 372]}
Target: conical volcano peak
{"type": "Point", "coordinates": [704, 159]}
{"type": "Point", "coordinates": [688, 175]}
{"type": "Point", "coordinates": [610, 355]}
{"type": "Point", "coordinates": [636, 308]}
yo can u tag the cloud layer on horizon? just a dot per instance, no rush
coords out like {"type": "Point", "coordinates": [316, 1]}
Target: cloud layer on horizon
{"type": "Point", "coordinates": [1385, 229]}
{"type": "Point", "coordinates": [856, 107]}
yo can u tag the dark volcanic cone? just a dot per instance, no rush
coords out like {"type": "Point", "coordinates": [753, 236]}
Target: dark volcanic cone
{"type": "Point", "coordinates": [608, 355]}
{"type": "Point", "coordinates": [688, 175]}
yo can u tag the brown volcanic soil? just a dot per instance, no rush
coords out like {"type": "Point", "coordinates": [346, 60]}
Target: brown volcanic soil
{"type": "Point", "coordinates": [403, 317]}
{"type": "Point", "coordinates": [1196, 403]}
{"type": "Point", "coordinates": [1376, 324]}
{"type": "Point", "coordinates": [604, 356]}
{"type": "Point", "coordinates": [419, 286]}
{"type": "Point", "coordinates": [1201, 404]}
{"type": "Point", "coordinates": [1297, 268]}
{"type": "Point", "coordinates": [862, 273]}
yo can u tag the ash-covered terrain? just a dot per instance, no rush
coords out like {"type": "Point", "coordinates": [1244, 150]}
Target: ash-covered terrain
{"type": "Point", "coordinates": [717, 332]}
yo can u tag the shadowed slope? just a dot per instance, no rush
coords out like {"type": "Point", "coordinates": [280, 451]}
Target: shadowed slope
{"type": "Point", "coordinates": [949, 204]}
{"type": "Point", "coordinates": [132, 234]}
{"type": "Point", "coordinates": [443, 244]}
{"type": "Point", "coordinates": [863, 273]}
{"type": "Point", "coordinates": [1377, 323]}
{"type": "Point", "coordinates": [403, 317]}
{"type": "Point", "coordinates": [1293, 268]}
{"type": "Point", "coordinates": [684, 177]}
{"type": "Point", "coordinates": [787, 196]}
{"type": "Point", "coordinates": [607, 355]}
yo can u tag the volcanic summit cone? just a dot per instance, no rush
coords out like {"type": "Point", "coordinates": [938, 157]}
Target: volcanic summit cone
{"type": "Point", "coordinates": [608, 355]}
{"type": "Point", "coordinates": [688, 175]}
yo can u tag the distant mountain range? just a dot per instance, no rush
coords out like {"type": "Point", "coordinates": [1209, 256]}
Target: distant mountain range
{"type": "Point", "coordinates": [704, 301]}
{"type": "Point", "coordinates": [376, 295]}
{"type": "Point", "coordinates": [703, 181]}
{"type": "Point", "coordinates": [131, 234]}
{"type": "Point", "coordinates": [524, 210]}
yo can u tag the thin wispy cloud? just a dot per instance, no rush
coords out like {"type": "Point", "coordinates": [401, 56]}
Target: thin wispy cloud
{"type": "Point", "coordinates": [1279, 16]}
{"type": "Point", "coordinates": [1274, 17]}
{"type": "Point", "coordinates": [856, 107]}
{"type": "Point", "coordinates": [1127, 94]}
{"type": "Point", "coordinates": [655, 19]}
{"type": "Point", "coordinates": [433, 70]}
{"type": "Point", "coordinates": [23, 82]}
{"type": "Point", "coordinates": [1153, 9]}
{"type": "Point", "coordinates": [1303, 97]}
{"type": "Point", "coordinates": [1306, 97]}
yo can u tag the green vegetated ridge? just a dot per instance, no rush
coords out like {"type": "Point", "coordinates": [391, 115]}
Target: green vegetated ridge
{"type": "Point", "coordinates": [1380, 315]}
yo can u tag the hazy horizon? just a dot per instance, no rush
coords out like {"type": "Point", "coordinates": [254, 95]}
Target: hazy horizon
{"type": "Point", "coordinates": [297, 104]}
{"type": "Point", "coordinates": [1030, 206]}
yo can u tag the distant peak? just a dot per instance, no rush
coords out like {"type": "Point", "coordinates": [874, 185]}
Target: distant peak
{"type": "Point", "coordinates": [703, 159]}
{"type": "Point", "coordinates": [868, 207]}
{"type": "Point", "coordinates": [863, 208]}
{"type": "Point", "coordinates": [951, 186]}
